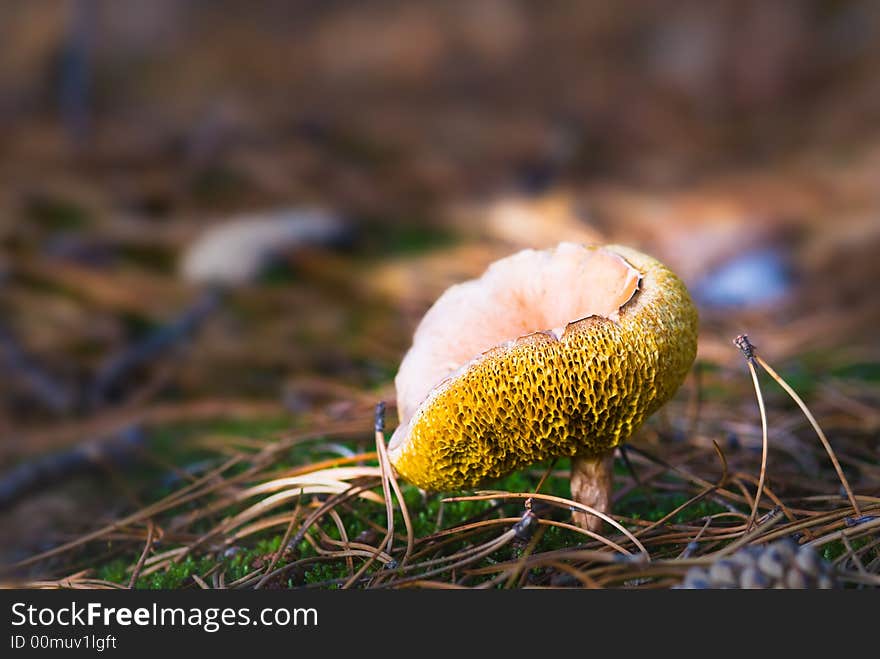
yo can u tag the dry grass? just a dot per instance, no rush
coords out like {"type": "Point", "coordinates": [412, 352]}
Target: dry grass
{"type": "Point", "coordinates": [752, 497]}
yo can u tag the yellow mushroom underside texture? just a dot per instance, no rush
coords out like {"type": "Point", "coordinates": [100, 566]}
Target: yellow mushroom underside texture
{"type": "Point", "coordinates": [540, 396]}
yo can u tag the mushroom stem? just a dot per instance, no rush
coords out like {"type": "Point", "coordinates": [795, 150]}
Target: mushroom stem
{"type": "Point", "coordinates": [591, 482]}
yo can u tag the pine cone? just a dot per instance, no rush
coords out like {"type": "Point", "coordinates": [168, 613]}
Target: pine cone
{"type": "Point", "coordinates": [782, 564]}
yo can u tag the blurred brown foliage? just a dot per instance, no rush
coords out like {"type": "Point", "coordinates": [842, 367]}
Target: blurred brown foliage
{"type": "Point", "coordinates": [449, 133]}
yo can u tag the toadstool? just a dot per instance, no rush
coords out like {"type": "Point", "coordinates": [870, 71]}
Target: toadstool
{"type": "Point", "coordinates": [550, 353]}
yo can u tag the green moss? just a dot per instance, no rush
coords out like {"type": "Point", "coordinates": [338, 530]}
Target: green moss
{"type": "Point", "coordinates": [241, 562]}
{"type": "Point", "coordinates": [557, 538]}
{"type": "Point", "coordinates": [114, 571]}
{"type": "Point", "coordinates": [833, 550]}
{"type": "Point", "coordinates": [867, 371]}
{"type": "Point", "coordinates": [137, 324]}
{"type": "Point", "coordinates": [278, 274]}
{"type": "Point", "coordinates": [326, 572]}
{"type": "Point", "coordinates": [177, 574]}
{"type": "Point", "coordinates": [56, 214]}
{"type": "Point", "coordinates": [639, 506]}
{"type": "Point", "coordinates": [236, 564]}
{"type": "Point", "coordinates": [801, 378]}
{"type": "Point", "coordinates": [409, 237]}
{"type": "Point", "coordinates": [157, 258]}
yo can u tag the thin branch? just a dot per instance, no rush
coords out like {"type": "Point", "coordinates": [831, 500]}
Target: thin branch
{"type": "Point", "coordinates": [797, 399]}
{"type": "Point", "coordinates": [148, 545]}
{"type": "Point", "coordinates": [742, 342]}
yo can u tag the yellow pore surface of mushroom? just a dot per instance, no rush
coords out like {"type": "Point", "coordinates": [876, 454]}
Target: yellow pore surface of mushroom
{"type": "Point", "coordinates": [550, 353]}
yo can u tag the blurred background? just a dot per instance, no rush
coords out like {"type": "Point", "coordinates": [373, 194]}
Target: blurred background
{"type": "Point", "coordinates": [229, 216]}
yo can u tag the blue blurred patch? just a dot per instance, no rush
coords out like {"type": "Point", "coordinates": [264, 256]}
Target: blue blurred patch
{"type": "Point", "coordinates": [755, 278]}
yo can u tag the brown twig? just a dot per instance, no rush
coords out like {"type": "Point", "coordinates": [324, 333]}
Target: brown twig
{"type": "Point", "coordinates": [282, 547]}
{"type": "Point", "coordinates": [148, 545]}
{"type": "Point", "coordinates": [800, 403]}
{"type": "Point", "coordinates": [742, 342]}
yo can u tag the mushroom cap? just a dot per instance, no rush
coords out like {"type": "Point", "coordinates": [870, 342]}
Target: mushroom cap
{"type": "Point", "coordinates": [558, 352]}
